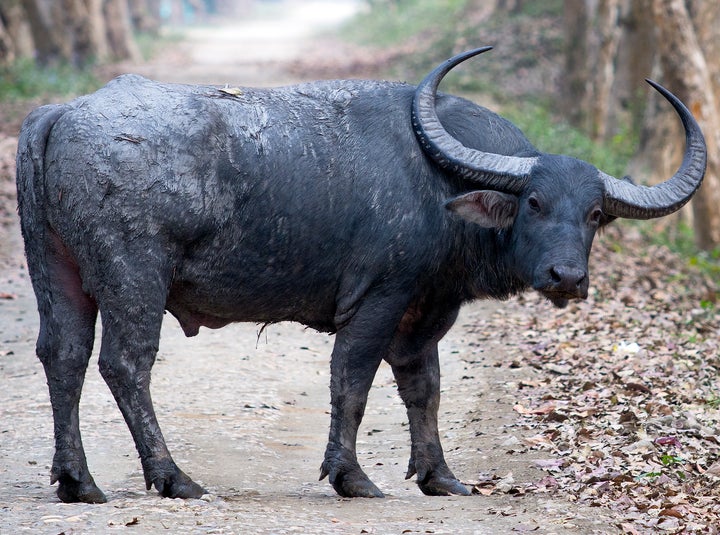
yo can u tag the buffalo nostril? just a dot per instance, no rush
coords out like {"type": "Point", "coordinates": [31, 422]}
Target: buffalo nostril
{"type": "Point", "coordinates": [567, 278]}
{"type": "Point", "coordinates": [555, 276]}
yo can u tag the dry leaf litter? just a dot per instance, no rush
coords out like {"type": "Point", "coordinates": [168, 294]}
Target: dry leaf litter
{"type": "Point", "coordinates": [626, 395]}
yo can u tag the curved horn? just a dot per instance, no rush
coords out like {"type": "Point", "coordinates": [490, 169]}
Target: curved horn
{"type": "Point", "coordinates": [494, 171]}
{"type": "Point", "coordinates": [623, 199]}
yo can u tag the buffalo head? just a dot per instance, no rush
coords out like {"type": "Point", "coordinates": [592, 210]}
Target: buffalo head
{"type": "Point", "coordinates": [546, 207]}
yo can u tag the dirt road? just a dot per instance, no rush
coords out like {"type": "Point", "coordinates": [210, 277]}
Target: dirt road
{"type": "Point", "coordinates": [246, 413]}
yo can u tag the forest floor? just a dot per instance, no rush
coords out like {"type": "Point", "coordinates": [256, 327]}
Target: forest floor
{"type": "Point", "coordinates": [600, 418]}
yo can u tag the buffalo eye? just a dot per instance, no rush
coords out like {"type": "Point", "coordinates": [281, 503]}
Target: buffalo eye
{"type": "Point", "coordinates": [534, 203]}
{"type": "Point", "coordinates": [596, 216]}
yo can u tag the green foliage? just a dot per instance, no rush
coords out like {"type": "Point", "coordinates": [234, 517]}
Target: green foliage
{"type": "Point", "coordinates": [681, 239]}
{"type": "Point", "coordinates": [671, 460]}
{"type": "Point", "coordinates": [551, 135]}
{"type": "Point", "coordinates": [150, 44]}
{"type": "Point", "coordinates": [445, 25]}
{"type": "Point", "coordinates": [389, 22]}
{"type": "Point", "coordinates": [25, 80]}
{"type": "Point", "coordinates": [544, 8]}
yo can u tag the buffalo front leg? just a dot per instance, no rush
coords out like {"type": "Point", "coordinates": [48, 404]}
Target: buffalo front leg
{"type": "Point", "coordinates": [418, 380]}
{"type": "Point", "coordinates": [351, 377]}
{"type": "Point", "coordinates": [131, 334]}
{"type": "Point", "coordinates": [359, 348]}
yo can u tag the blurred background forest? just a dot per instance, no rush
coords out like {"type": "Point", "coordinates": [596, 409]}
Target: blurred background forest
{"type": "Point", "coordinates": [570, 73]}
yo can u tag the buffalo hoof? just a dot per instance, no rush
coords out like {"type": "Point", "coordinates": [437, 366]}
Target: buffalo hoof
{"type": "Point", "coordinates": [434, 477]}
{"type": "Point", "coordinates": [443, 486]}
{"type": "Point", "coordinates": [73, 491]}
{"type": "Point", "coordinates": [351, 483]}
{"type": "Point", "coordinates": [169, 480]}
{"type": "Point", "coordinates": [178, 485]}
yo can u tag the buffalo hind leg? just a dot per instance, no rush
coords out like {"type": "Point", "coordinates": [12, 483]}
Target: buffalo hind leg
{"type": "Point", "coordinates": [65, 342]}
{"type": "Point", "coordinates": [131, 333]}
{"type": "Point", "coordinates": [418, 381]}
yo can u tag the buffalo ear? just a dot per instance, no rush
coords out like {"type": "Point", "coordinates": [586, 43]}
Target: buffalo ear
{"type": "Point", "coordinates": [487, 208]}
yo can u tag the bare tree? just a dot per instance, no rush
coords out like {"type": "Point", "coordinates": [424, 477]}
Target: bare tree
{"type": "Point", "coordinates": [119, 31]}
{"type": "Point", "coordinates": [688, 69]}
{"type": "Point", "coordinates": [81, 31]}
{"type": "Point", "coordinates": [575, 93]}
{"type": "Point", "coordinates": [592, 33]}
{"type": "Point", "coordinates": [145, 15]}
{"type": "Point", "coordinates": [7, 46]}
{"type": "Point", "coordinates": [46, 48]}
{"type": "Point", "coordinates": [603, 75]}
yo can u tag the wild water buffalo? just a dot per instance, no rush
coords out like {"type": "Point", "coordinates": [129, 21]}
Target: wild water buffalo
{"type": "Point", "coordinates": [373, 210]}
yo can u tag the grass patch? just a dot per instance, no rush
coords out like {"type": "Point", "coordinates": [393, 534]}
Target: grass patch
{"type": "Point", "coordinates": [551, 135]}
{"type": "Point", "coordinates": [150, 44]}
{"type": "Point", "coordinates": [681, 239]}
{"type": "Point", "coordinates": [25, 80]}
{"type": "Point", "coordinates": [388, 23]}
{"type": "Point", "coordinates": [542, 9]}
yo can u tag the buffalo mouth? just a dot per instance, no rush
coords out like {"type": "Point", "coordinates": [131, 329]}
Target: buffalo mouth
{"type": "Point", "coordinates": [561, 282]}
{"type": "Point", "coordinates": [561, 298]}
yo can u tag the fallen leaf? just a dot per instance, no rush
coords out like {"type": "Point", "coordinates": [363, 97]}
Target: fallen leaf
{"type": "Point", "coordinates": [548, 463]}
{"type": "Point", "coordinates": [544, 409]}
{"type": "Point", "coordinates": [672, 512]}
{"type": "Point", "coordinates": [713, 469]}
{"type": "Point", "coordinates": [234, 91]}
{"type": "Point", "coordinates": [668, 441]}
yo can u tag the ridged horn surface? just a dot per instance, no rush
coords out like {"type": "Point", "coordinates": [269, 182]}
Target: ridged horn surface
{"type": "Point", "coordinates": [493, 171]}
{"type": "Point", "coordinates": [623, 199]}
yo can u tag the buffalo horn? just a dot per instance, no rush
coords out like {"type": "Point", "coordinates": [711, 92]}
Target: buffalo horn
{"type": "Point", "coordinates": [494, 171]}
{"type": "Point", "coordinates": [511, 173]}
{"type": "Point", "coordinates": [624, 199]}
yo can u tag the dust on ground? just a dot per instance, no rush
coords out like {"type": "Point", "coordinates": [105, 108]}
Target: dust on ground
{"type": "Point", "coordinates": [245, 413]}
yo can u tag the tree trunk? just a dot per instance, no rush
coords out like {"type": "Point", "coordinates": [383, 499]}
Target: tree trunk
{"type": "Point", "coordinates": [510, 6]}
{"type": "Point", "coordinates": [706, 18]}
{"type": "Point", "coordinates": [592, 34]}
{"type": "Point", "coordinates": [634, 62]}
{"type": "Point", "coordinates": [145, 15]}
{"type": "Point", "coordinates": [686, 73]}
{"type": "Point", "coordinates": [78, 29]}
{"type": "Point", "coordinates": [98, 30]}
{"type": "Point", "coordinates": [47, 49]}
{"type": "Point", "coordinates": [609, 50]}
{"type": "Point", "coordinates": [576, 23]}
{"type": "Point", "coordinates": [81, 31]}
{"type": "Point", "coordinates": [603, 73]}
{"type": "Point", "coordinates": [119, 31]}
{"type": "Point", "coordinates": [63, 28]}
{"type": "Point", "coordinates": [7, 46]}
{"type": "Point", "coordinates": [86, 27]}
{"type": "Point", "coordinates": [15, 22]}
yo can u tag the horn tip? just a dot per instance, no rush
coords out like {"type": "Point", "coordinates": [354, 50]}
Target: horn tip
{"type": "Point", "coordinates": [482, 49]}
